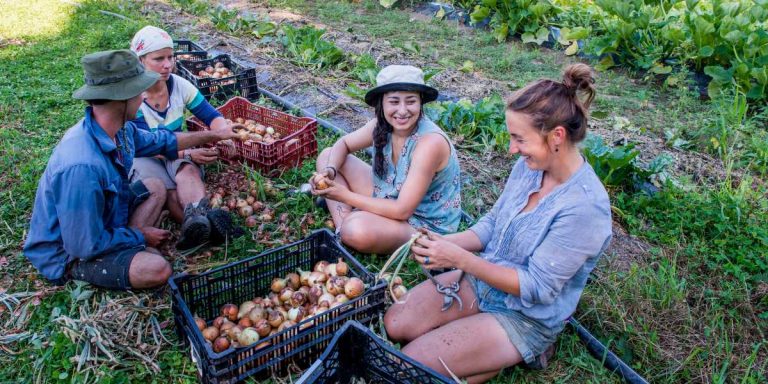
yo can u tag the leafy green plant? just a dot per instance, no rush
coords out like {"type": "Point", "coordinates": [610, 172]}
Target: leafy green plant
{"type": "Point", "coordinates": [481, 123]}
{"type": "Point", "coordinates": [617, 166]}
{"type": "Point", "coordinates": [195, 7]}
{"type": "Point", "coordinates": [530, 18]}
{"type": "Point", "coordinates": [308, 49]}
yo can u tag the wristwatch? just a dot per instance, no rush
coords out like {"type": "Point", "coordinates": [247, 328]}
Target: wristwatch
{"type": "Point", "coordinates": [187, 155]}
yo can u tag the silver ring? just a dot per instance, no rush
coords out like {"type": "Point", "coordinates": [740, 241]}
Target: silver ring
{"type": "Point", "coordinates": [426, 260]}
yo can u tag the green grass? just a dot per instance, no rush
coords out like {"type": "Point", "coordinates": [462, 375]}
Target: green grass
{"type": "Point", "coordinates": [676, 316]}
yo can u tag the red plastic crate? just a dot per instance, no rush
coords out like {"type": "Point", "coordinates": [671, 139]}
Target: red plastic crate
{"type": "Point", "coordinates": [297, 141]}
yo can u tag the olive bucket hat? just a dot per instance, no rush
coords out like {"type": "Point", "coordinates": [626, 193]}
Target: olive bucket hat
{"type": "Point", "coordinates": [400, 78]}
{"type": "Point", "coordinates": [114, 75]}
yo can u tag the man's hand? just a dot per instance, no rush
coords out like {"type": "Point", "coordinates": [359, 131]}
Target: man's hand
{"type": "Point", "coordinates": [154, 236]}
{"type": "Point", "coordinates": [204, 155]}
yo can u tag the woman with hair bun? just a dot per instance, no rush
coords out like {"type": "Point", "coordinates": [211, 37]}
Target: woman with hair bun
{"type": "Point", "coordinates": [526, 262]}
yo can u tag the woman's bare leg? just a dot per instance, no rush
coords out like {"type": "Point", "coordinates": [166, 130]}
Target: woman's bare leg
{"type": "Point", "coordinates": [420, 313]}
{"type": "Point", "coordinates": [370, 233]}
{"type": "Point", "coordinates": [355, 174]}
{"type": "Point", "coordinates": [472, 347]}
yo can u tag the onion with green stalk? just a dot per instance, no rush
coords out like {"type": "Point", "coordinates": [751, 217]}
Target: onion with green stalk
{"type": "Point", "coordinates": [398, 257]}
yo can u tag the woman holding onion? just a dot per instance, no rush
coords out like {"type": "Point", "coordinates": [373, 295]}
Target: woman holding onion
{"type": "Point", "coordinates": [414, 181]}
{"type": "Point", "coordinates": [163, 108]}
{"type": "Point", "coordinates": [535, 248]}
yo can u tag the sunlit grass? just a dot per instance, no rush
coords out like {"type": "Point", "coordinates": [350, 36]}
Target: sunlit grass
{"type": "Point", "coordinates": [34, 18]}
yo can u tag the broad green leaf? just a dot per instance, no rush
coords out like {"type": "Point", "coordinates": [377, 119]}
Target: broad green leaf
{"type": "Point", "coordinates": [528, 38]}
{"type": "Point", "coordinates": [578, 33]}
{"type": "Point", "coordinates": [661, 69]}
{"type": "Point", "coordinates": [501, 32]}
{"type": "Point", "coordinates": [734, 36]}
{"type": "Point", "coordinates": [606, 62]}
{"type": "Point", "coordinates": [719, 74]}
{"type": "Point", "coordinates": [479, 14]}
{"type": "Point", "coordinates": [572, 49]}
{"type": "Point", "coordinates": [706, 51]}
{"type": "Point", "coordinates": [542, 35]}
{"type": "Point", "coordinates": [756, 92]}
{"type": "Point", "coordinates": [387, 3]}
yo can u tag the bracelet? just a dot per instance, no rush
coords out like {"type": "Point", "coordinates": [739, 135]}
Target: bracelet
{"type": "Point", "coordinates": [334, 171]}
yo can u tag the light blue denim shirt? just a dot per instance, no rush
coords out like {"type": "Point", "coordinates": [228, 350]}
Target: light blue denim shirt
{"type": "Point", "coordinates": [81, 204]}
{"type": "Point", "coordinates": [553, 247]}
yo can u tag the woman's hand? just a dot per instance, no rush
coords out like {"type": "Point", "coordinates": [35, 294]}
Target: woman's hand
{"type": "Point", "coordinates": [332, 191]}
{"type": "Point", "coordinates": [441, 252]}
{"type": "Point", "coordinates": [204, 155]}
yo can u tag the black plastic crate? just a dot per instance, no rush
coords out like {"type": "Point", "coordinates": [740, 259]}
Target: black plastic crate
{"type": "Point", "coordinates": [188, 50]}
{"type": "Point", "coordinates": [356, 354]}
{"type": "Point", "coordinates": [292, 349]}
{"type": "Point", "coordinates": [241, 83]}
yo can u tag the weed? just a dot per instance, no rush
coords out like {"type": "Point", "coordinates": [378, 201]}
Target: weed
{"type": "Point", "coordinates": [308, 49]}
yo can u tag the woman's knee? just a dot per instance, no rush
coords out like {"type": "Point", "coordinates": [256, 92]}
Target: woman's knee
{"type": "Point", "coordinates": [397, 329]}
{"type": "Point", "coordinates": [322, 159]}
{"type": "Point", "coordinates": [355, 233]}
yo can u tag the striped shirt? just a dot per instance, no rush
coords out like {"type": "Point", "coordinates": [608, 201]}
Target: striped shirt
{"type": "Point", "coordinates": [181, 94]}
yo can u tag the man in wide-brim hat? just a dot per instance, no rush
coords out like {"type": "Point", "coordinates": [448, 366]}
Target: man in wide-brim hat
{"type": "Point", "coordinates": [88, 222]}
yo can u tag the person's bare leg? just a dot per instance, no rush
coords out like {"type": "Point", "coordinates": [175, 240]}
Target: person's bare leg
{"type": "Point", "coordinates": [189, 185]}
{"type": "Point", "coordinates": [175, 209]}
{"type": "Point", "coordinates": [420, 311]}
{"type": "Point", "coordinates": [146, 214]}
{"type": "Point", "coordinates": [148, 270]}
{"type": "Point", "coordinates": [482, 377]}
{"type": "Point", "coordinates": [473, 346]}
{"type": "Point", "coordinates": [370, 233]}
{"type": "Point", "coordinates": [355, 174]}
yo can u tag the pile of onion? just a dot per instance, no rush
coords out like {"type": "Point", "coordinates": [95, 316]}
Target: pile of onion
{"type": "Point", "coordinates": [292, 299]}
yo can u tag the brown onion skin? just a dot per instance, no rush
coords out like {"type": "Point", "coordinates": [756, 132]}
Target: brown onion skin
{"type": "Point", "coordinates": [221, 344]}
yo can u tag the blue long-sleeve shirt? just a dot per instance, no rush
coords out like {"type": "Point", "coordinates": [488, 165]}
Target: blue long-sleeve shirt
{"type": "Point", "coordinates": [81, 204]}
{"type": "Point", "coordinates": [553, 247]}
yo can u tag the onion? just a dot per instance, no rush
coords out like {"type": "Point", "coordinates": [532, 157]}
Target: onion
{"type": "Point", "coordinates": [217, 322]}
{"type": "Point", "coordinates": [257, 313]}
{"type": "Point", "coordinates": [245, 322]}
{"type": "Point", "coordinates": [314, 293]}
{"type": "Point", "coordinates": [226, 326]}
{"type": "Point", "coordinates": [275, 318]}
{"type": "Point", "coordinates": [330, 269]}
{"type": "Point", "coordinates": [341, 267]}
{"type": "Point", "coordinates": [229, 311]}
{"type": "Point", "coordinates": [340, 299]}
{"type": "Point", "coordinates": [275, 298]}
{"type": "Point", "coordinates": [399, 291]}
{"type": "Point", "coordinates": [317, 278]}
{"type": "Point", "coordinates": [248, 336]}
{"type": "Point", "coordinates": [320, 266]}
{"type": "Point", "coordinates": [250, 200]}
{"type": "Point", "coordinates": [296, 314]}
{"type": "Point", "coordinates": [326, 300]}
{"type": "Point", "coordinates": [298, 299]}
{"type": "Point", "coordinates": [245, 307]}
{"type": "Point", "coordinates": [294, 280]}
{"type": "Point", "coordinates": [304, 289]}
{"type": "Point", "coordinates": [286, 324]}
{"type": "Point", "coordinates": [285, 295]}
{"type": "Point", "coordinates": [335, 285]}
{"type": "Point", "coordinates": [304, 277]}
{"type": "Point", "coordinates": [354, 288]}
{"type": "Point", "coordinates": [231, 204]}
{"type": "Point", "coordinates": [245, 211]}
{"type": "Point", "coordinates": [200, 323]}
{"type": "Point", "coordinates": [397, 280]}
{"type": "Point", "coordinates": [257, 206]}
{"type": "Point", "coordinates": [251, 221]}
{"type": "Point", "coordinates": [211, 333]}
{"type": "Point", "coordinates": [277, 284]}
{"type": "Point", "coordinates": [221, 344]}
{"type": "Point", "coordinates": [263, 328]}
{"type": "Point", "coordinates": [234, 332]}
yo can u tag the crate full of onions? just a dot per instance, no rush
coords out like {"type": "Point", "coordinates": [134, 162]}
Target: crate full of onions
{"type": "Point", "coordinates": [273, 313]}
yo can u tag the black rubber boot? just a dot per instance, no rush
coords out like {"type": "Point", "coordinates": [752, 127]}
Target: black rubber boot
{"type": "Point", "coordinates": [196, 228]}
{"type": "Point", "coordinates": [222, 227]}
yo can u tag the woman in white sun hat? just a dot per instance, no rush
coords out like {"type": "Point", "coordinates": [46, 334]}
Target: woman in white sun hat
{"type": "Point", "coordinates": [414, 181]}
{"type": "Point", "coordinates": [163, 108]}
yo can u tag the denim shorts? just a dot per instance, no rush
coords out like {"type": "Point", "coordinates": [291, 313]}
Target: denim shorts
{"type": "Point", "coordinates": [530, 337]}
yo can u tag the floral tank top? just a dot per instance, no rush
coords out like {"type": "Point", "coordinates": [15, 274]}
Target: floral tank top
{"type": "Point", "coordinates": [440, 209]}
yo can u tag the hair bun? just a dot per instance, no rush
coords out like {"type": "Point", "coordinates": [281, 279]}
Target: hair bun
{"type": "Point", "coordinates": [580, 78]}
